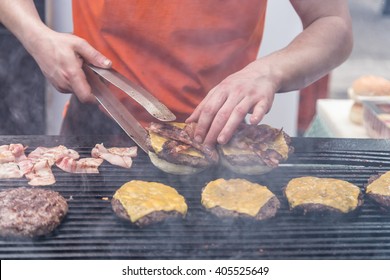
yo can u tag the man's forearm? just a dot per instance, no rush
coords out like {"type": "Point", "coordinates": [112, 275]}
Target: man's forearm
{"type": "Point", "coordinates": [324, 44]}
{"type": "Point", "coordinates": [22, 19]}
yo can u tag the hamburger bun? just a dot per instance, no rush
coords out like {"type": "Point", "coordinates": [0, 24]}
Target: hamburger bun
{"type": "Point", "coordinates": [312, 195]}
{"type": "Point", "coordinates": [356, 113]}
{"type": "Point", "coordinates": [172, 168]}
{"type": "Point", "coordinates": [367, 87]}
{"type": "Point", "coordinates": [239, 198]}
{"type": "Point", "coordinates": [255, 149]}
{"type": "Point", "coordinates": [145, 203]}
{"type": "Point", "coordinates": [173, 150]}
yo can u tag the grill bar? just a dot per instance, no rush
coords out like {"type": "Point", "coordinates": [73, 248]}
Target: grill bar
{"type": "Point", "coordinates": [92, 231]}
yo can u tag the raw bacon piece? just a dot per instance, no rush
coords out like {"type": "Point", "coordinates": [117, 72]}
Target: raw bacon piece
{"type": "Point", "coordinates": [52, 154]}
{"type": "Point", "coordinates": [41, 174]}
{"type": "Point", "coordinates": [10, 155]}
{"type": "Point", "coordinates": [6, 155]}
{"type": "Point", "coordinates": [125, 151]}
{"type": "Point", "coordinates": [84, 165]}
{"type": "Point", "coordinates": [115, 155]}
{"type": "Point", "coordinates": [10, 170]}
{"type": "Point", "coordinates": [26, 165]}
{"type": "Point", "coordinates": [18, 151]}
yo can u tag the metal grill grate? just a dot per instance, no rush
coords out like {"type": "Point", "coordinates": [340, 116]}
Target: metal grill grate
{"type": "Point", "coordinates": [92, 231]}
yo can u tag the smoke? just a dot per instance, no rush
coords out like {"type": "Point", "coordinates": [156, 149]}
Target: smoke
{"type": "Point", "coordinates": [21, 90]}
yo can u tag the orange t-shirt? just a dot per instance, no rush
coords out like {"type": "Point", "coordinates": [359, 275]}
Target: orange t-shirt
{"type": "Point", "coordinates": [176, 49]}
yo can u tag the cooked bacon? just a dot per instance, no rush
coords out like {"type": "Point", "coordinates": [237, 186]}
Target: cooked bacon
{"type": "Point", "coordinates": [52, 154]}
{"type": "Point", "coordinates": [10, 170]}
{"type": "Point", "coordinates": [270, 157]}
{"type": "Point", "coordinates": [185, 136]}
{"type": "Point", "coordinates": [116, 156]}
{"type": "Point", "coordinates": [175, 147]}
{"type": "Point", "coordinates": [84, 165]}
{"type": "Point", "coordinates": [41, 174]}
{"type": "Point", "coordinates": [258, 138]}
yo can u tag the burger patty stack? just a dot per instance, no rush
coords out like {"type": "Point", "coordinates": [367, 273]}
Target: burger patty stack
{"type": "Point", "coordinates": [254, 149]}
{"type": "Point", "coordinates": [172, 148]}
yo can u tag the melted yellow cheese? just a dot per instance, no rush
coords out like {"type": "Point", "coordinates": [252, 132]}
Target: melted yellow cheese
{"type": "Point", "coordinates": [380, 186]}
{"type": "Point", "coordinates": [237, 195]}
{"type": "Point", "coordinates": [280, 146]}
{"type": "Point", "coordinates": [334, 193]}
{"type": "Point", "coordinates": [158, 141]}
{"type": "Point", "coordinates": [141, 198]}
{"type": "Point", "coordinates": [179, 125]}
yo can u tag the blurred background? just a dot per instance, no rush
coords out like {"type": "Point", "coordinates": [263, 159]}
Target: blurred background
{"type": "Point", "coordinates": [30, 106]}
{"type": "Point", "coordinates": [371, 52]}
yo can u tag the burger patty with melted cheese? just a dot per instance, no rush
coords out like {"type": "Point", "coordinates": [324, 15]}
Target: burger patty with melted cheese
{"type": "Point", "coordinates": [255, 149]}
{"type": "Point", "coordinates": [145, 203]}
{"type": "Point", "coordinates": [239, 198]}
{"type": "Point", "coordinates": [173, 142]}
{"type": "Point", "coordinates": [378, 189]}
{"type": "Point", "coordinates": [321, 195]}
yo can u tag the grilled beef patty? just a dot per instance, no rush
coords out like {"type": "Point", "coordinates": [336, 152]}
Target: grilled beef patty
{"type": "Point", "coordinates": [145, 203]}
{"type": "Point", "coordinates": [255, 149]}
{"type": "Point", "coordinates": [313, 195]}
{"type": "Point", "coordinates": [269, 210]}
{"type": "Point", "coordinates": [30, 212]}
{"type": "Point", "coordinates": [239, 198]}
{"type": "Point", "coordinates": [153, 218]}
{"type": "Point", "coordinates": [377, 190]}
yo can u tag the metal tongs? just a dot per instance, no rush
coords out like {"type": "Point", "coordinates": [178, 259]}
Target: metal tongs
{"type": "Point", "coordinates": [98, 78]}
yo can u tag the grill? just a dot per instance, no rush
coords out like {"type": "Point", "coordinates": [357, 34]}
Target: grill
{"type": "Point", "coordinates": [92, 231]}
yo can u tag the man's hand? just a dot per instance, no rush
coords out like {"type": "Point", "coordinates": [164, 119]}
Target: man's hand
{"type": "Point", "coordinates": [227, 104]}
{"type": "Point", "coordinates": [61, 56]}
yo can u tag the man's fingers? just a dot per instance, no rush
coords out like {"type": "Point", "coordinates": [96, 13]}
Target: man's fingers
{"type": "Point", "coordinates": [261, 108]}
{"type": "Point", "coordinates": [226, 121]}
{"type": "Point", "coordinates": [205, 113]}
{"type": "Point", "coordinates": [81, 87]}
{"type": "Point", "coordinates": [91, 55]}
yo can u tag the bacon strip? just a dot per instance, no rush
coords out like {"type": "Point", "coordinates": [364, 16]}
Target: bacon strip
{"type": "Point", "coordinates": [258, 138]}
{"type": "Point", "coordinates": [84, 165]}
{"type": "Point", "coordinates": [125, 151]}
{"type": "Point", "coordinates": [6, 155]}
{"type": "Point", "coordinates": [52, 154]}
{"type": "Point", "coordinates": [10, 170]}
{"type": "Point", "coordinates": [26, 166]}
{"type": "Point", "coordinates": [18, 151]}
{"type": "Point", "coordinates": [116, 156]}
{"type": "Point", "coordinates": [41, 174]}
{"type": "Point", "coordinates": [12, 153]}
{"type": "Point", "coordinates": [185, 136]}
